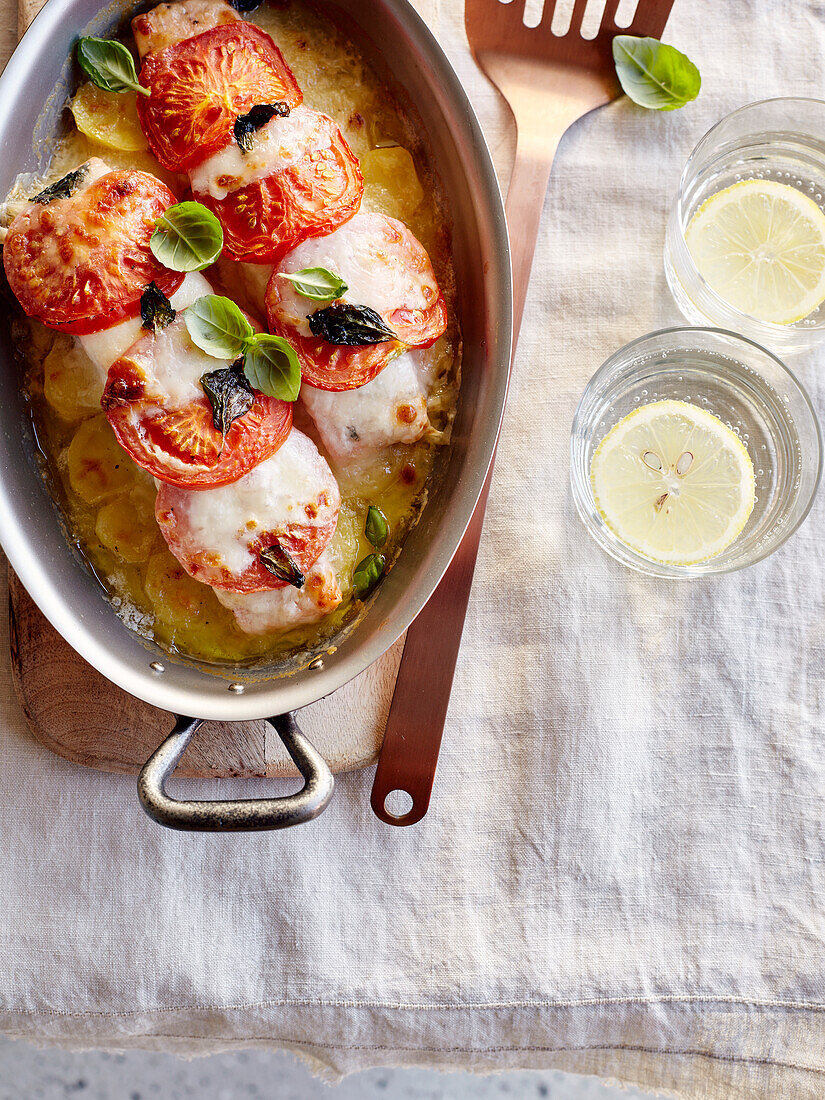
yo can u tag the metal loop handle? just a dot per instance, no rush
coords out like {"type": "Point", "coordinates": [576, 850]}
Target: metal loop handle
{"type": "Point", "coordinates": [240, 814]}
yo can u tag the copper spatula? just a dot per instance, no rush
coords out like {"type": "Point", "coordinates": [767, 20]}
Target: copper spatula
{"type": "Point", "coordinates": [549, 80]}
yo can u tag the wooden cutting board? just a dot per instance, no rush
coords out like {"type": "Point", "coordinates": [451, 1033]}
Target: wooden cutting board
{"type": "Point", "coordinates": [82, 716]}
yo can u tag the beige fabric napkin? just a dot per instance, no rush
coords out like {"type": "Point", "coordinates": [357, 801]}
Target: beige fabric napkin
{"type": "Point", "coordinates": [623, 869]}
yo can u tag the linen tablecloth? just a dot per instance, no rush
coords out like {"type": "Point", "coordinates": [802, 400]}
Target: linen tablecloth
{"type": "Point", "coordinates": [622, 869]}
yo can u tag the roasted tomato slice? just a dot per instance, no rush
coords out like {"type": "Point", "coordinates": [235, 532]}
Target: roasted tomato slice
{"type": "Point", "coordinates": [290, 500]}
{"type": "Point", "coordinates": [387, 270]}
{"type": "Point", "coordinates": [314, 186]}
{"type": "Point", "coordinates": [200, 85]}
{"type": "Point", "coordinates": [81, 263]}
{"type": "Point", "coordinates": [161, 415]}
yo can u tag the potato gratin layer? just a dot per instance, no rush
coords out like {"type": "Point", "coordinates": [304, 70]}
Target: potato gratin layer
{"type": "Point", "coordinates": [230, 532]}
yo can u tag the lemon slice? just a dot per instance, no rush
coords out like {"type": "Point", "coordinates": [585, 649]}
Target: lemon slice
{"type": "Point", "coordinates": [761, 246]}
{"type": "Point", "coordinates": [673, 483]}
{"type": "Point", "coordinates": [109, 118]}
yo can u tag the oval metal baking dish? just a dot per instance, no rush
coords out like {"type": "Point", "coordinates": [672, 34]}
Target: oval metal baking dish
{"type": "Point", "coordinates": [40, 73]}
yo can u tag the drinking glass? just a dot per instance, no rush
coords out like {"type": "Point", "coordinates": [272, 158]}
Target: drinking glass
{"type": "Point", "coordinates": [776, 139]}
{"type": "Point", "coordinates": [750, 390]}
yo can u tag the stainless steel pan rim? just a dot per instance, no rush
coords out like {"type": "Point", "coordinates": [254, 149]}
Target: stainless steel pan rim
{"type": "Point", "coordinates": [31, 538]}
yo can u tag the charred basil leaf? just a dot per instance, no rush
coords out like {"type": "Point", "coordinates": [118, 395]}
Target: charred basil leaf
{"type": "Point", "coordinates": [280, 563]}
{"type": "Point", "coordinates": [218, 327]}
{"type": "Point", "coordinates": [63, 188]}
{"type": "Point", "coordinates": [246, 125]}
{"type": "Point", "coordinates": [245, 6]}
{"type": "Point", "coordinates": [368, 572]}
{"type": "Point", "coordinates": [229, 393]}
{"type": "Point", "coordinates": [377, 529]}
{"type": "Point", "coordinates": [187, 237]}
{"type": "Point", "coordinates": [155, 308]}
{"type": "Point", "coordinates": [350, 325]}
{"type": "Point", "coordinates": [109, 65]}
{"type": "Point", "coordinates": [317, 283]}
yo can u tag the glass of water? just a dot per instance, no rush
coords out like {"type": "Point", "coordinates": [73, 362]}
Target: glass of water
{"type": "Point", "coordinates": [761, 168]}
{"type": "Point", "coordinates": [749, 390]}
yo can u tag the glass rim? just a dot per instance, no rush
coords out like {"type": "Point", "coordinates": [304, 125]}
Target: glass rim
{"type": "Point", "coordinates": [767, 330]}
{"type": "Point", "coordinates": [662, 569]}
{"type": "Point", "coordinates": [741, 111]}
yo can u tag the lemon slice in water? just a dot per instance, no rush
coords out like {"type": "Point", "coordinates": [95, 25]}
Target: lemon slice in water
{"type": "Point", "coordinates": [673, 483]}
{"type": "Point", "coordinates": [761, 246]}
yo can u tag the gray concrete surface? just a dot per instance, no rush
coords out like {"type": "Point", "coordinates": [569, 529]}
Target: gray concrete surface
{"type": "Point", "coordinates": [27, 1073]}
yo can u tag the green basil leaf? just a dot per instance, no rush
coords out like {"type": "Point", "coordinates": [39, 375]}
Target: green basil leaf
{"type": "Point", "coordinates": [156, 310]}
{"type": "Point", "coordinates": [350, 325]}
{"type": "Point", "coordinates": [217, 326]}
{"type": "Point", "coordinates": [109, 65]}
{"type": "Point", "coordinates": [376, 529]}
{"type": "Point", "coordinates": [63, 188]}
{"type": "Point", "coordinates": [317, 283]}
{"type": "Point", "coordinates": [272, 366]}
{"type": "Point", "coordinates": [187, 237]}
{"type": "Point", "coordinates": [654, 75]}
{"type": "Point", "coordinates": [229, 393]}
{"type": "Point", "coordinates": [279, 562]}
{"type": "Point", "coordinates": [368, 572]}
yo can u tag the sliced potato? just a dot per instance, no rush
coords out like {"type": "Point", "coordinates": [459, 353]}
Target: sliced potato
{"type": "Point", "coordinates": [187, 613]}
{"type": "Point", "coordinates": [72, 384]}
{"type": "Point", "coordinates": [109, 118]}
{"type": "Point", "coordinates": [123, 532]}
{"type": "Point", "coordinates": [143, 498]}
{"type": "Point", "coordinates": [178, 599]}
{"type": "Point", "coordinates": [391, 183]}
{"type": "Point", "coordinates": [98, 467]}
{"type": "Point", "coordinates": [348, 543]}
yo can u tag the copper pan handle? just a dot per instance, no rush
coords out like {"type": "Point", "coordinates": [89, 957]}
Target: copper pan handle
{"type": "Point", "coordinates": [412, 739]}
{"type": "Point", "coordinates": [235, 815]}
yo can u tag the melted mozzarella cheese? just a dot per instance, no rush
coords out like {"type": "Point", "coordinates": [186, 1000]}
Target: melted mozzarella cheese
{"type": "Point", "coordinates": [170, 23]}
{"type": "Point", "coordinates": [95, 168]}
{"type": "Point", "coordinates": [278, 144]}
{"type": "Point", "coordinates": [172, 366]}
{"type": "Point", "coordinates": [104, 348]}
{"type": "Point", "coordinates": [294, 486]}
{"type": "Point", "coordinates": [178, 365]}
{"type": "Point", "coordinates": [284, 608]}
{"type": "Point", "coordinates": [392, 408]}
{"type": "Point", "coordinates": [360, 253]}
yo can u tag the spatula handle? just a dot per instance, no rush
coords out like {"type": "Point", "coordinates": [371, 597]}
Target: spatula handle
{"type": "Point", "coordinates": [412, 739]}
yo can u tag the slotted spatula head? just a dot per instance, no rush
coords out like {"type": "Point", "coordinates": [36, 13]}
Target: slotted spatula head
{"type": "Point", "coordinates": [509, 51]}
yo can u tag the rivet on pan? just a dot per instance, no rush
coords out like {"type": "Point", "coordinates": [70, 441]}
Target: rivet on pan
{"type": "Point", "coordinates": [313, 666]}
{"type": "Point", "coordinates": [156, 666]}
{"type": "Point", "coordinates": [236, 689]}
